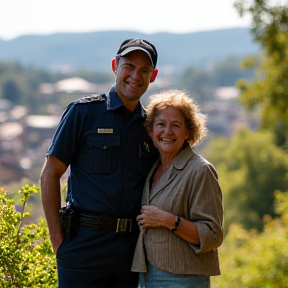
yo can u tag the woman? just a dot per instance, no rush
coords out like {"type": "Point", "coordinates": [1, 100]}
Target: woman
{"type": "Point", "coordinates": [181, 216]}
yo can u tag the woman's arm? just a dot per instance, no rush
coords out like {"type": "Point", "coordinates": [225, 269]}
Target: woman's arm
{"type": "Point", "coordinates": [153, 217]}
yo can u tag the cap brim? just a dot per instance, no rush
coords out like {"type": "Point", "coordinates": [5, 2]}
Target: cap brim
{"type": "Point", "coordinates": [130, 49]}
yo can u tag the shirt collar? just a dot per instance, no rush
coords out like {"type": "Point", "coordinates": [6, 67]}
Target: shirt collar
{"type": "Point", "coordinates": [113, 99]}
{"type": "Point", "coordinates": [114, 102]}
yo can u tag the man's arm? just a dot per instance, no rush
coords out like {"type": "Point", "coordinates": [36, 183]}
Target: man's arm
{"type": "Point", "coordinates": [51, 173]}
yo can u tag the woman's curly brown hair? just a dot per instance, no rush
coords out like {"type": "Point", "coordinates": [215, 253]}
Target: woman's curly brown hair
{"type": "Point", "coordinates": [195, 121]}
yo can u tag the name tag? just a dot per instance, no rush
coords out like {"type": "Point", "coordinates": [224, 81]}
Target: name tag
{"type": "Point", "coordinates": [105, 130]}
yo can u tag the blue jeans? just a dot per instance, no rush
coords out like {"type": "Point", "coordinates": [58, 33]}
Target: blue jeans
{"type": "Point", "coordinates": [156, 278]}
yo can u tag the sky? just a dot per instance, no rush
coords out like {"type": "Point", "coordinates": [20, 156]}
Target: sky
{"type": "Point", "coordinates": [41, 17]}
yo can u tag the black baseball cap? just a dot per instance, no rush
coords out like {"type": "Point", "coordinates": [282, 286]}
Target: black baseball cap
{"type": "Point", "coordinates": [139, 44]}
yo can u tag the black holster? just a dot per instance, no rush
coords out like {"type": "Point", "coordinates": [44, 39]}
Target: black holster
{"type": "Point", "coordinates": [69, 220]}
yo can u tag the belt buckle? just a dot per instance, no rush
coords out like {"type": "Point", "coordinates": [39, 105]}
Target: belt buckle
{"type": "Point", "coordinates": [122, 225]}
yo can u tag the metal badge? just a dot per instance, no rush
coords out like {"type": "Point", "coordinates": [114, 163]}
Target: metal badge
{"type": "Point", "coordinates": [147, 147]}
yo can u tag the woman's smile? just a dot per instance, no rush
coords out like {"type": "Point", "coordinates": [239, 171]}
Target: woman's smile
{"type": "Point", "coordinates": [169, 132]}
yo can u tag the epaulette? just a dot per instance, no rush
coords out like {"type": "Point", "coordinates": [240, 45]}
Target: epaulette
{"type": "Point", "coordinates": [91, 98]}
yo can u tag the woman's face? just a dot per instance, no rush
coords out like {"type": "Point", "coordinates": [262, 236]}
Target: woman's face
{"type": "Point", "coordinates": [169, 132]}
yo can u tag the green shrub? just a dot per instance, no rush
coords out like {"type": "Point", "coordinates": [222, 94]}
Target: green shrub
{"type": "Point", "coordinates": [26, 255]}
{"type": "Point", "coordinates": [253, 259]}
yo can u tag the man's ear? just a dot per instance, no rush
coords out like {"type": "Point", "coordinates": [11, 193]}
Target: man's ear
{"type": "Point", "coordinates": [154, 74]}
{"type": "Point", "coordinates": [114, 66]}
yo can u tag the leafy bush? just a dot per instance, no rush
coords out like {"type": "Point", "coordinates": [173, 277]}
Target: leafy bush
{"type": "Point", "coordinates": [248, 258]}
{"type": "Point", "coordinates": [26, 256]}
{"type": "Point", "coordinates": [253, 259]}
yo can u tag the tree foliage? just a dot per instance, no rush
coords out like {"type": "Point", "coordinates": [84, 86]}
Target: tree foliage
{"type": "Point", "coordinates": [202, 83]}
{"type": "Point", "coordinates": [251, 168]}
{"type": "Point", "coordinates": [20, 84]}
{"type": "Point", "coordinates": [270, 90]}
{"type": "Point", "coordinates": [26, 256]}
{"type": "Point", "coordinates": [250, 259]}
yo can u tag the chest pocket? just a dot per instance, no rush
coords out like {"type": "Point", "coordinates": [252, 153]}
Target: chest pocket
{"type": "Point", "coordinates": [104, 152]}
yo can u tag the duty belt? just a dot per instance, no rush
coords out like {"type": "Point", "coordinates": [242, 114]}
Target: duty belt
{"type": "Point", "coordinates": [99, 223]}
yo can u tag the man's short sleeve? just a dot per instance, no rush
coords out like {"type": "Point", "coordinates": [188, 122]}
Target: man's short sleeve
{"type": "Point", "coordinates": [68, 134]}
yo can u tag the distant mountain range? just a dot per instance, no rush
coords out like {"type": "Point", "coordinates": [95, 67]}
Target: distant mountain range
{"type": "Point", "coordinates": [95, 50]}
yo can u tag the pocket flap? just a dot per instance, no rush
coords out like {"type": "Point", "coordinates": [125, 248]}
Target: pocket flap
{"type": "Point", "coordinates": [103, 141]}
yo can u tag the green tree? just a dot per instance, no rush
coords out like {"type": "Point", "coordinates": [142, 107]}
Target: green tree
{"type": "Point", "coordinates": [198, 83]}
{"type": "Point", "coordinates": [270, 89]}
{"type": "Point", "coordinates": [26, 256]}
{"type": "Point", "coordinates": [202, 83]}
{"type": "Point", "coordinates": [11, 89]}
{"type": "Point", "coordinates": [252, 259]}
{"type": "Point", "coordinates": [20, 84]}
{"type": "Point", "coordinates": [251, 167]}
{"type": "Point", "coordinates": [228, 71]}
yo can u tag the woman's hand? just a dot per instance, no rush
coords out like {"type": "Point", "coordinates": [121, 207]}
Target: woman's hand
{"type": "Point", "coordinates": [153, 217]}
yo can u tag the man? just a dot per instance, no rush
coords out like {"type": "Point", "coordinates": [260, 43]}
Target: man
{"type": "Point", "coordinates": [109, 153]}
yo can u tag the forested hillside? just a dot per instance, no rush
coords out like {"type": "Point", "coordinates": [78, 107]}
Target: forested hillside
{"type": "Point", "coordinates": [95, 50]}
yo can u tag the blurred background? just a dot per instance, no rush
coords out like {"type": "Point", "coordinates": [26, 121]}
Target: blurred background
{"type": "Point", "coordinates": [230, 56]}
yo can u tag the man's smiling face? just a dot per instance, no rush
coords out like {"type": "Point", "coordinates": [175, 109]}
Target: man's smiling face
{"type": "Point", "coordinates": [133, 74]}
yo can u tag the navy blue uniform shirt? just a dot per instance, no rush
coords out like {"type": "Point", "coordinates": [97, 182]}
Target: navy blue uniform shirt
{"type": "Point", "coordinates": [109, 153]}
